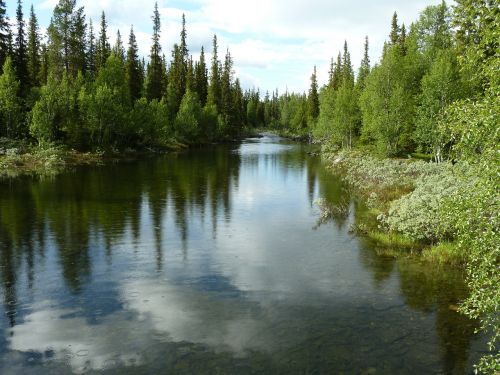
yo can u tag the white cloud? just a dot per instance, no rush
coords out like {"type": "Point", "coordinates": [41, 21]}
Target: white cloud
{"type": "Point", "coordinates": [275, 43]}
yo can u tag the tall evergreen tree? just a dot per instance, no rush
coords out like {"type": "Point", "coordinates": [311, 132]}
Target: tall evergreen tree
{"type": "Point", "coordinates": [91, 51]}
{"type": "Point", "coordinates": [4, 33]}
{"type": "Point", "coordinates": [184, 52]}
{"type": "Point", "coordinates": [78, 43]}
{"type": "Point", "coordinates": [394, 35]}
{"type": "Point", "coordinates": [226, 83]}
{"type": "Point", "coordinates": [135, 73]}
{"type": "Point", "coordinates": [190, 77]}
{"type": "Point", "coordinates": [238, 105]}
{"type": "Point", "coordinates": [67, 39]}
{"type": "Point", "coordinates": [201, 78]}
{"type": "Point", "coordinates": [34, 62]}
{"type": "Point", "coordinates": [313, 100]}
{"type": "Point", "coordinates": [364, 68]}
{"type": "Point", "coordinates": [347, 72]}
{"type": "Point", "coordinates": [103, 49]}
{"type": "Point", "coordinates": [118, 48]}
{"type": "Point", "coordinates": [175, 81]}
{"type": "Point", "coordinates": [59, 33]}
{"type": "Point", "coordinates": [336, 75]}
{"type": "Point", "coordinates": [154, 82]}
{"type": "Point", "coordinates": [20, 52]}
{"type": "Point", "coordinates": [214, 89]}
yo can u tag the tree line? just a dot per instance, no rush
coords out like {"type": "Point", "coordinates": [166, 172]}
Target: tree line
{"type": "Point", "coordinates": [80, 90]}
{"type": "Point", "coordinates": [402, 104]}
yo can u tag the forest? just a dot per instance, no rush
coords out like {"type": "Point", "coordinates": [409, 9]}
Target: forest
{"type": "Point", "coordinates": [78, 90]}
{"type": "Point", "coordinates": [432, 96]}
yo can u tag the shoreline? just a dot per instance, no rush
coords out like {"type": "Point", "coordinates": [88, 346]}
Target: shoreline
{"type": "Point", "coordinates": [379, 185]}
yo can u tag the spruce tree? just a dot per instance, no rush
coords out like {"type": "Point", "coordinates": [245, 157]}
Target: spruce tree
{"type": "Point", "coordinates": [175, 81]}
{"type": "Point", "coordinates": [394, 35]}
{"type": "Point", "coordinates": [364, 68]}
{"type": "Point", "coordinates": [226, 83]}
{"type": "Point", "coordinates": [402, 40]}
{"type": "Point", "coordinates": [78, 43]}
{"type": "Point", "coordinates": [44, 64]}
{"type": "Point", "coordinates": [337, 73]}
{"type": "Point", "coordinates": [190, 77]}
{"type": "Point", "coordinates": [103, 49]}
{"type": "Point", "coordinates": [313, 99]}
{"type": "Point", "coordinates": [118, 48]}
{"type": "Point", "coordinates": [135, 75]}
{"type": "Point", "coordinates": [184, 56]}
{"type": "Point", "coordinates": [4, 33]}
{"type": "Point", "coordinates": [347, 73]}
{"type": "Point", "coordinates": [214, 90]}
{"type": "Point", "coordinates": [201, 78]}
{"type": "Point", "coordinates": [238, 105]}
{"type": "Point", "coordinates": [154, 82]}
{"type": "Point", "coordinates": [20, 52]}
{"type": "Point", "coordinates": [59, 34]}
{"type": "Point", "coordinates": [91, 51]}
{"type": "Point", "coordinates": [34, 62]}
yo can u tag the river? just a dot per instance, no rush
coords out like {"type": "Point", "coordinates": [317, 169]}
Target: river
{"type": "Point", "coordinates": [214, 261]}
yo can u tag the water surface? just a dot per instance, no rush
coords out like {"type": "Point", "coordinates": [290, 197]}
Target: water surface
{"type": "Point", "coordinates": [213, 261]}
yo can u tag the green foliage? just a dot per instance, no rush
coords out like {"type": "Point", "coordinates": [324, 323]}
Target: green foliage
{"type": "Point", "coordinates": [135, 76]}
{"type": "Point", "coordinates": [313, 101]}
{"type": "Point", "coordinates": [189, 117]}
{"type": "Point", "coordinates": [440, 87]}
{"type": "Point", "coordinates": [388, 104]}
{"type": "Point", "coordinates": [154, 80]}
{"type": "Point", "coordinates": [48, 113]}
{"type": "Point", "coordinates": [418, 214]}
{"type": "Point", "coordinates": [10, 104]}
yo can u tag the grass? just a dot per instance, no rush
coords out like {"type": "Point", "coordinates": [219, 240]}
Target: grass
{"type": "Point", "coordinates": [393, 240]}
{"type": "Point", "coordinates": [444, 253]}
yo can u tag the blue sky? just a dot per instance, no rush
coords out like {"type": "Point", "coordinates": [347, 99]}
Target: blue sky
{"type": "Point", "coordinates": [275, 44]}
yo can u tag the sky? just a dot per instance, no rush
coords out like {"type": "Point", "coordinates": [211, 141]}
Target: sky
{"type": "Point", "coordinates": [275, 44]}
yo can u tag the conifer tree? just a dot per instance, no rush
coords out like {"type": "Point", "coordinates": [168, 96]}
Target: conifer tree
{"type": "Point", "coordinates": [4, 33]}
{"type": "Point", "coordinates": [78, 43]}
{"type": "Point", "coordinates": [118, 48]}
{"type": "Point", "coordinates": [402, 40]}
{"type": "Point", "coordinates": [154, 82]}
{"type": "Point", "coordinates": [135, 72]}
{"type": "Point", "coordinates": [190, 77]}
{"type": "Point", "coordinates": [67, 32]}
{"type": "Point", "coordinates": [214, 89]}
{"type": "Point", "coordinates": [91, 51]}
{"type": "Point", "coordinates": [226, 83]}
{"type": "Point", "coordinates": [347, 72]}
{"type": "Point", "coordinates": [184, 52]}
{"type": "Point", "coordinates": [313, 100]}
{"type": "Point", "coordinates": [20, 58]}
{"type": "Point", "coordinates": [44, 64]}
{"type": "Point", "coordinates": [336, 77]}
{"type": "Point", "coordinates": [103, 49]}
{"type": "Point", "coordinates": [34, 62]}
{"type": "Point", "coordinates": [238, 105]}
{"type": "Point", "coordinates": [201, 78]}
{"type": "Point", "coordinates": [59, 33]}
{"type": "Point", "coordinates": [364, 68]}
{"type": "Point", "coordinates": [394, 35]}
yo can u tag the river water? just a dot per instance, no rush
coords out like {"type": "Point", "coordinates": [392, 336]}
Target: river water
{"type": "Point", "coordinates": [214, 261]}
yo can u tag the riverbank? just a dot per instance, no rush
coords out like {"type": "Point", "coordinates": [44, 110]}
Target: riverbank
{"type": "Point", "coordinates": [19, 158]}
{"type": "Point", "coordinates": [402, 203]}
